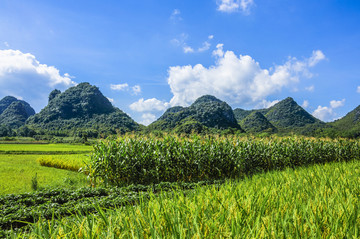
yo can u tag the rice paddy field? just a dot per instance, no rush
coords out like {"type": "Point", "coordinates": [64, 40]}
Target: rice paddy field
{"type": "Point", "coordinates": [19, 164]}
{"type": "Point", "coordinates": [44, 149]}
{"type": "Point", "coordinates": [197, 187]}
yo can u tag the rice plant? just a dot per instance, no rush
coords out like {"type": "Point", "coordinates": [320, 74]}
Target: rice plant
{"type": "Point", "coordinates": [321, 201]}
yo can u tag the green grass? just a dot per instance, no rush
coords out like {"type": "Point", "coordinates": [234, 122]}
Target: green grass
{"type": "Point", "coordinates": [321, 201]}
{"type": "Point", "coordinates": [71, 162]}
{"type": "Point", "coordinates": [17, 171]}
{"type": "Point", "coordinates": [43, 148]}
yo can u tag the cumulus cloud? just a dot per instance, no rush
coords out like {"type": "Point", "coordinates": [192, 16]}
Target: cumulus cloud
{"type": "Point", "coordinates": [147, 119]}
{"type": "Point", "coordinates": [148, 105]}
{"type": "Point", "coordinates": [305, 104]}
{"type": "Point", "coordinates": [337, 103]}
{"type": "Point", "coordinates": [6, 44]}
{"type": "Point", "coordinates": [120, 87]}
{"type": "Point", "coordinates": [22, 74]}
{"type": "Point", "coordinates": [235, 79]}
{"type": "Point", "coordinates": [327, 113]}
{"type": "Point", "coordinates": [324, 113]}
{"type": "Point", "coordinates": [229, 6]}
{"type": "Point", "coordinates": [358, 89]}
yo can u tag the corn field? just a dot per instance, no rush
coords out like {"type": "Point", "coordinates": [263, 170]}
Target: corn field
{"type": "Point", "coordinates": [147, 160]}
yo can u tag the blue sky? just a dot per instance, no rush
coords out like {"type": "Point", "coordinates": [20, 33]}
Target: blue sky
{"type": "Point", "coordinates": [148, 55]}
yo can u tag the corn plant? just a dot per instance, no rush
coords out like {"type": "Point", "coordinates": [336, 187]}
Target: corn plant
{"type": "Point", "coordinates": [148, 160]}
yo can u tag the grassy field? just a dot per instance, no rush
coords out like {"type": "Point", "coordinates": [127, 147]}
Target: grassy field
{"type": "Point", "coordinates": [19, 165]}
{"type": "Point", "coordinates": [43, 148]}
{"type": "Point", "coordinates": [17, 171]}
{"type": "Point", "coordinates": [321, 201]}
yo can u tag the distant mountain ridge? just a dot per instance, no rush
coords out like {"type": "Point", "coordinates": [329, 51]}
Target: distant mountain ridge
{"type": "Point", "coordinates": [285, 114]}
{"type": "Point", "coordinates": [81, 106]}
{"type": "Point", "coordinates": [84, 107]}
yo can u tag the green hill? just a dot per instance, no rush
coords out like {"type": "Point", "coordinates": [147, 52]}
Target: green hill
{"type": "Point", "coordinates": [207, 112]}
{"type": "Point", "coordinates": [349, 125]}
{"type": "Point", "coordinates": [14, 112]}
{"type": "Point", "coordinates": [285, 115]}
{"type": "Point", "coordinates": [256, 122]}
{"type": "Point", "coordinates": [81, 107]}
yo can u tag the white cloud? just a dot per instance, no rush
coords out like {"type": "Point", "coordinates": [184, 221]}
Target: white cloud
{"type": "Point", "coordinates": [124, 86]}
{"type": "Point", "coordinates": [148, 105]}
{"type": "Point", "coordinates": [110, 99]}
{"type": "Point", "coordinates": [305, 104]}
{"type": "Point", "coordinates": [316, 58]}
{"type": "Point", "coordinates": [22, 74]}
{"type": "Point", "coordinates": [188, 49]}
{"type": "Point", "coordinates": [324, 113]}
{"type": "Point", "coordinates": [264, 104]}
{"type": "Point", "coordinates": [235, 79]}
{"type": "Point", "coordinates": [219, 52]}
{"type": "Point", "coordinates": [147, 119]}
{"type": "Point", "coordinates": [310, 88]}
{"type": "Point", "coordinates": [175, 15]}
{"type": "Point", "coordinates": [181, 42]}
{"type": "Point", "coordinates": [327, 113]}
{"type": "Point", "coordinates": [6, 44]}
{"type": "Point", "coordinates": [358, 89]}
{"type": "Point", "coordinates": [337, 103]}
{"type": "Point", "coordinates": [205, 47]}
{"type": "Point", "coordinates": [136, 89]}
{"type": "Point", "coordinates": [229, 6]}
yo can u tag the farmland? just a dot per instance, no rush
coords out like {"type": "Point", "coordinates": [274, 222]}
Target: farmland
{"type": "Point", "coordinates": [319, 201]}
{"type": "Point", "coordinates": [19, 165]}
{"type": "Point", "coordinates": [200, 186]}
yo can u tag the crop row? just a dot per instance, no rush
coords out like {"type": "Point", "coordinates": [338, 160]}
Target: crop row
{"type": "Point", "coordinates": [321, 201]}
{"type": "Point", "coordinates": [70, 162]}
{"type": "Point", "coordinates": [17, 210]}
{"type": "Point", "coordinates": [130, 160]}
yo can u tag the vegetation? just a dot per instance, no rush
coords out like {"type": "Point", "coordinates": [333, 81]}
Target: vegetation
{"type": "Point", "coordinates": [256, 122]}
{"type": "Point", "coordinates": [71, 162]}
{"type": "Point", "coordinates": [81, 108]}
{"type": "Point", "coordinates": [17, 172]}
{"type": "Point", "coordinates": [206, 112]}
{"type": "Point", "coordinates": [312, 202]}
{"type": "Point", "coordinates": [149, 160]}
{"type": "Point", "coordinates": [19, 210]}
{"type": "Point", "coordinates": [44, 149]}
{"type": "Point", "coordinates": [14, 113]}
{"type": "Point", "coordinates": [284, 117]}
{"type": "Point", "coordinates": [348, 126]}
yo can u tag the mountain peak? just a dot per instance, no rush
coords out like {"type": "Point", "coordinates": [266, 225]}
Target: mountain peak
{"type": "Point", "coordinates": [81, 106]}
{"type": "Point", "coordinates": [205, 99]}
{"type": "Point", "coordinates": [207, 111]}
{"type": "Point", "coordinates": [287, 113]}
